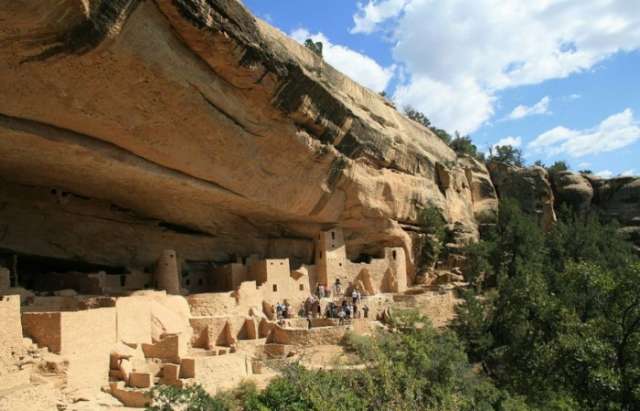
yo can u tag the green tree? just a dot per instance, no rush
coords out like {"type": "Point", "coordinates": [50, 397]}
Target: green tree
{"type": "Point", "coordinates": [442, 134]}
{"type": "Point", "coordinates": [477, 265]}
{"type": "Point", "coordinates": [317, 46]}
{"type": "Point", "coordinates": [417, 116]}
{"type": "Point", "coordinates": [464, 145]}
{"type": "Point", "coordinates": [435, 228]}
{"type": "Point", "coordinates": [557, 167]}
{"type": "Point", "coordinates": [561, 328]}
{"type": "Point", "coordinates": [506, 154]}
{"type": "Point", "coordinates": [472, 324]}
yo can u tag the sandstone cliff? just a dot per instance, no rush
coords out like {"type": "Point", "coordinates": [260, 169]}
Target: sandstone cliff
{"type": "Point", "coordinates": [129, 126]}
{"type": "Point", "coordinates": [530, 186]}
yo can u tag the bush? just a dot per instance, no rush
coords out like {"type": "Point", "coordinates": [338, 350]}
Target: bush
{"type": "Point", "coordinates": [192, 398]}
{"type": "Point", "coordinates": [413, 367]}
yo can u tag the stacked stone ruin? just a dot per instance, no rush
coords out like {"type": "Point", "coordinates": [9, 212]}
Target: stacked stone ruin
{"type": "Point", "coordinates": [141, 329]}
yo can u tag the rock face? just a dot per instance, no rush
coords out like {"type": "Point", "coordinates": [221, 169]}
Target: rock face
{"type": "Point", "coordinates": [483, 193]}
{"type": "Point", "coordinates": [619, 198]}
{"type": "Point", "coordinates": [530, 186]}
{"type": "Point", "coordinates": [573, 189]}
{"type": "Point", "coordinates": [129, 127]}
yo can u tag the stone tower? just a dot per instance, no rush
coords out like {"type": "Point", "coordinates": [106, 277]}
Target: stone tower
{"type": "Point", "coordinates": [167, 274]}
{"type": "Point", "coordinates": [397, 262]}
{"type": "Point", "coordinates": [331, 257]}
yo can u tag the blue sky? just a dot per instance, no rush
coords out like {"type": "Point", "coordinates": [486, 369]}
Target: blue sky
{"type": "Point", "coordinates": [559, 79]}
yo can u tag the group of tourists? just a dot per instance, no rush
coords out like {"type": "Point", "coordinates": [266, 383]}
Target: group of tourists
{"type": "Point", "coordinates": [345, 311]}
{"type": "Point", "coordinates": [283, 311]}
{"type": "Point", "coordinates": [323, 291]}
{"type": "Point", "coordinates": [311, 308]}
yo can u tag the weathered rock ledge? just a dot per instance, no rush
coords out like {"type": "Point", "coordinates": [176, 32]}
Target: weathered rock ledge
{"type": "Point", "coordinates": [129, 126]}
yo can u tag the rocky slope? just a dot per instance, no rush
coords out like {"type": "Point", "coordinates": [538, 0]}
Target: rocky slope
{"type": "Point", "coordinates": [130, 126]}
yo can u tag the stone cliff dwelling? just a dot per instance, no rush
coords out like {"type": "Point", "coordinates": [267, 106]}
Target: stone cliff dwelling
{"type": "Point", "coordinates": [176, 322]}
{"type": "Point", "coordinates": [172, 170]}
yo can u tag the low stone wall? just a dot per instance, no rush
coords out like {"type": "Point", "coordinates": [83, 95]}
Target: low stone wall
{"type": "Point", "coordinates": [223, 371]}
{"type": "Point", "coordinates": [222, 331]}
{"type": "Point", "coordinates": [11, 347]}
{"type": "Point", "coordinates": [44, 329]}
{"type": "Point", "coordinates": [314, 336]}
{"type": "Point", "coordinates": [87, 340]}
{"type": "Point", "coordinates": [53, 303]}
{"type": "Point", "coordinates": [212, 304]}
{"type": "Point", "coordinates": [323, 322]}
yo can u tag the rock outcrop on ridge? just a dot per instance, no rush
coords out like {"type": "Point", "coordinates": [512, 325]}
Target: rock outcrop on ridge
{"type": "Point", "coordinates": [617, 198]}
{"type": "Point", "coordinates": [530, 186]}
{"type": "Point", "coordinates": [542, 193]}
{"type": "Point", "coordinates": [129, 126]}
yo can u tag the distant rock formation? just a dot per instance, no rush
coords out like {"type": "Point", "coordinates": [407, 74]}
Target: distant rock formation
{"type": "Point", "coordinates": [541, 193]}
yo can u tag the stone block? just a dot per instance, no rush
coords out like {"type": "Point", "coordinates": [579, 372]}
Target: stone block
{"type": "Point", "coordinates": [170, 374]}
{"type": "Point", "coordinates": [188, 368]}
{"type": "Point", "coordinates": [141, 380]}
{"type": "Point", "coordinates": [170, 348]}
{"type": "Point", "coordinates": [134, 320]}
{"type": "Point", "coordinates": [134, 399]}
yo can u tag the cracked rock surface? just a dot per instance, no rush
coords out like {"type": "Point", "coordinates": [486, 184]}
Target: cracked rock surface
{"type": "Point", "coordinates": [136, 117]}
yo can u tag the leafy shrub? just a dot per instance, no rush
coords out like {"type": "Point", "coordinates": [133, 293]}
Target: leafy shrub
{"type": "Point", "coordinates": [192, 398]}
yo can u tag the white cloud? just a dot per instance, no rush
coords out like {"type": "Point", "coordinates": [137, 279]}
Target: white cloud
{"type": "Point", "coordinates": [605, 173]}
{"type": "Point", "coordinates": [477, 48]}
{"type": "Point", "coordinates": [359, 67]}
{"type": "Point", "coordinates": [509, 141]}
{"type": "Point", "coordinates": [614, 132]}
{"type": "Point", "coordinates": [375, 12]}
{"type": "Point", "coordinates": [521, 111]}
{"type": "Point", "coordinates": [628, 173]}
{"type": "Point", "coordinates": [445, 103]}
{"type": "Point", "coordinates": [584, 165]}
{"type": "Point", "coordinates": [574, 96]}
